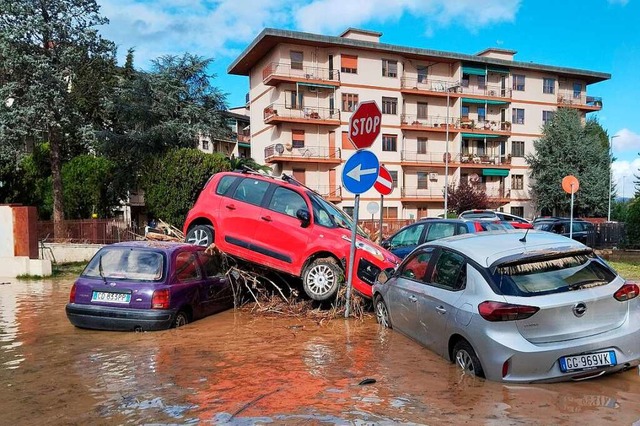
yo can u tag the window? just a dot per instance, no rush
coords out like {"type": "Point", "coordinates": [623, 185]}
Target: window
{"type": "Point", "coordinates": [389, 105]}
{"type": "Point", "coordinates": [348, 210]}
{"type": "Point", "coordinates": [518, 116]}
{"type": "Point", "coordinates": [251, 191]}
{"type": "Point", "coordinates": [517, 211]}
{"type": "Point", "coordinates": [286, 201]}
{"type": "Point", "coordinates": [205, 144]}
{"type": "Point", "coordinates": [517, 148]}
{"type": "Point", "coordinates": [449, 271]}
{"type": "Point", "coordinates": [296, 60]}
{"type": "Point", "coordinates": [211, 265]}
{"type": "Point", "coordinates": [549, 85]}
{"type": "Point", "coordinates": [422, 145]}
{"type": "Point", "coordinates": [187, 267]}
{"type": "Point", "coordinates": [518, 82]}
{"type": "Point", "coordinates": [423, 179]}
{"type": "Point", "coordinates": [297, 138]}
{"type": "Point", "coordinates": [390, 212]}
{"type": "Point", "coordinates": [465, 112]}
{"type": "Point", "coordinates": [577, 90]}
{"type": "Point", "coordinates": [482, 114]}
{"type": "Point", "coordinates": [349, 101]}
{"type": "Point", "coordinates": [416, 265]}
{"type": "Point", "coordinates": [465, 80]}
{"type": "Point", "coordinates": [517, 182]}
{"type": "Point", "coordinates": [547, 116]}
{"type": "Point", "coordinates": [422, 109]}
{"type": "Point", "coordinates": [389, 68]}
{"type": "Point", "coordinates": [394, 178]}
{"type": "Point", "coordinates": [293, 99]}
{"type": "Point", "coordinates": [442, 230]}
{"type": "Point", "coordinates": [225, 184]}
{"type": "Point", "coordinates": [409, 236]}
{"type": "Point", "coordinates": [422, 73]}
{"type": "Point", "coordinates": [482, 82]}
{"type": "Point", "coordinates": [349, 64]}
{"type": "Point", "coordinates": [389, 142]}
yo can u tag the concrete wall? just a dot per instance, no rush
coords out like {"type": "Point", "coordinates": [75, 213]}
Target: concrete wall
{"type": "Point", "coordinates": [68, 253]}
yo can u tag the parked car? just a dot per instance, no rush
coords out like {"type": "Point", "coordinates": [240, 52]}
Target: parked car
{"type": "Point", "coordinates": [515, 221]}
{"type": "Point", "coordinates": [411, 236]}
{"type": "Point", "coordinates": [523, 306]}
{"type": "Point", "coordinates": [144, 285]}
{"type": "Point", "coordinates": [283, 225]}
{"type": "Point", "coordinates": [582, 230]}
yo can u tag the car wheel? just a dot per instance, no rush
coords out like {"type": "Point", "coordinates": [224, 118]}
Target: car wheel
{"type": "Point", "coordinates": [200, 235]}
{"type": "Point", "coordinates": [466, 358]}
{"type": "Point", "coordinates": [321, 279]}
{"type": "Point", "coordinates": [181, 319]}
{"type": "Point", "coordinates": [382, 313]}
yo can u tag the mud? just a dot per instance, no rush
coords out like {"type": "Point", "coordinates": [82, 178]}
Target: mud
{"type": "Point", "coordinates": [240, 369]}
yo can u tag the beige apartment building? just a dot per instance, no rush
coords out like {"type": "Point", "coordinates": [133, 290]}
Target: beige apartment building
{"type": "Point", "coordinates": [473, 117]}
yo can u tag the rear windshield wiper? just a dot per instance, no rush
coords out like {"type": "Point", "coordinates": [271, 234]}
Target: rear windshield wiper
{"type": "Point", "coordinates": [595, 282]}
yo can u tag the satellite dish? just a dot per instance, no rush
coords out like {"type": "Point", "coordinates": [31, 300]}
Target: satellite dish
{"type": "Point", "coordinates": [279, 148]}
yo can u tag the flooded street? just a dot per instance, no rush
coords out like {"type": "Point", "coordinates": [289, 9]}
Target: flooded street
{"type": "Point", "coordinates": [241, 369]}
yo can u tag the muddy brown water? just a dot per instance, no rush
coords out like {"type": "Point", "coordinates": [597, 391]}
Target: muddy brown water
{"type": "Point", "coordinates": [238, 368]}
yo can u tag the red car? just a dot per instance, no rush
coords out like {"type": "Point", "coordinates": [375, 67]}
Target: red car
{"type": "Point", "coordinates": [285, 226]}
{"type": "Point", "coordinates": [515, 221]}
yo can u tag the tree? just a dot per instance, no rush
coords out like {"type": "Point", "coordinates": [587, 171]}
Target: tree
{"type": "Point", "coordinates": [568, 147]}
{"type": "Point", "coordinates": [48, 48]}
{"type": "Point", "coordinates": [88, 187]}
{"type": "Point", "coordinates": [238, 163]}
{"type": "Point", "coordinates": [466, 197]}
{"type": "Point", "coordinates": [173, 181]}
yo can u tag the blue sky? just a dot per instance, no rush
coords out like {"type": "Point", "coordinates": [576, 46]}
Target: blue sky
{"type": "Point", "coordinates": [598, 35]}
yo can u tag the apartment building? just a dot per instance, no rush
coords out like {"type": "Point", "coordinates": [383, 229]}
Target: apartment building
{"type": "Point", "coordinates": [474, 117]}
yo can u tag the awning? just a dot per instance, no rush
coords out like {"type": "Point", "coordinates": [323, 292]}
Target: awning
{"type": "Point", "coordinates": [244, 145]}
{"type": "Point", "coordinates": [495, 172]}
{"type": "Point", "coordinates": [324, 86]}
{"type": "Point", "coordinates": [482, 101]}
{"type": "Point", "coordinates": [498, 69]}
{"type": "Point", "coordinates": [473, 70]}
{"type": "Point", "coordinates": [479, 136]}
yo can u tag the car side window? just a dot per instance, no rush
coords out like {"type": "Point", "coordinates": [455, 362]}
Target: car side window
{"type": "Point", "coordinates": [440, 230]}
{"type": "Point", "coordinates": [415, 267]}
{"type": "Point", "coordinates": [211, 265]}
{"type": "Point", "coordinates": [251, 191]}
{"type": "Point", "coordinates": [187, 267]}
{"type": "Point", "coordinates": [287, 201]}
{"type": "Point", "coordinates": [449, 271]}
{"type": "Point", "coordinates": [558, 228]}
{"type": "Point", "coordinates": [408, 237]}
{"type": "Point", "coordinates": [578, 227]}
{"type": "Point", "coordinates": [225, 184]}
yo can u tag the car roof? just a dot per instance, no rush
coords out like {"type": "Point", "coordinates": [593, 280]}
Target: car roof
{"type": "Point", "coordinates": [166, 246]}
{"type": "Point", "coordinates": [486, 248]}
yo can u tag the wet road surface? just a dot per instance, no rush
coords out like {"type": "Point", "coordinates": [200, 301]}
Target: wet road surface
{"type": "Point", "coordinates": [237, 368]}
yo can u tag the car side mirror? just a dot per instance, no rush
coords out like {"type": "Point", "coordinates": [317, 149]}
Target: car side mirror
{"type": "Point", "coordinates": [384, 275]}
{"type": "Point", "coordinates": [386, 244]}
{"type": "Point", "coordinates": [304, 217]}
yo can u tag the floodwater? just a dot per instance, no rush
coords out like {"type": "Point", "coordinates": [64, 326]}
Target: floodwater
{"type": "Point", "coordinates": [237, 368]}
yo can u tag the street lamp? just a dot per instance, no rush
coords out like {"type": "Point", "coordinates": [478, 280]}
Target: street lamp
{"type": "Point", "coordinates": [610, 173]}
{"type": "Point", "coordinates": [446, 155]}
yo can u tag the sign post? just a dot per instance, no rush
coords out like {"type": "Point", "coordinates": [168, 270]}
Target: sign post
{"type": "Point", "coordinates": [570, 184]}
{"type": "Point", "coordinates": [384, 185]}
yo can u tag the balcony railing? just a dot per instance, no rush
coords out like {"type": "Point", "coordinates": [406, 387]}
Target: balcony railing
{"type": "Point", "coordinates": [430, 121]}
{"type": "Point", "coordinates": [415, 192]}
{"type": "Point", "coordinates": [281, 69]}
{"type": "Point", "coordinates": [492, 191]}
{"type": "Point", "coordinates": [488, 90]}
{"type": "Point", "coordinates": [428, 84]}
{"type": "Point", "coordinates": [568, 97]}
{"type": "Point", "coordinates": [426, 157]}
{"type": "Point", "coordinates": [328, 192]}
{"type": "Point", "coordinates": [483, 159]}
{"type": "Point", "coordinates": [281, 150]}
{"type": "Point", "coordinates": [279, 111]}
{"type": "Point", "coordinates": [494, 125]}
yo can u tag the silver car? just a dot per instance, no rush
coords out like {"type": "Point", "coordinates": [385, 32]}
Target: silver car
{"type": "Point", "coordinates": [514, 307]}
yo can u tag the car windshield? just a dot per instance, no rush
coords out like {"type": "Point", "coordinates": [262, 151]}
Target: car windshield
{"type": "Point", "coordinates": [495, 226]}
{"type": "Point", "coordinates": [478, 215]}
{"type": "Point", "coordinates": [126, 263]}
{"type": "Point", "coordinates": [552, 275]}
{"type": "Point", "coordinates": [330, 215]}
{"type": "Point", "coordinates": [542, 226]}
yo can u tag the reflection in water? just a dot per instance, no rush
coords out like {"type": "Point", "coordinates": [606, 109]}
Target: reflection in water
{"type": "Point", "coordinates": [238, 369]}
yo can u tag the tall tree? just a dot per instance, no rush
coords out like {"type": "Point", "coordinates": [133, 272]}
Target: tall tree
{"type": "Point", "coordinates": [568, 147]}
{"type": "Point", "coordinates": [45, 47]}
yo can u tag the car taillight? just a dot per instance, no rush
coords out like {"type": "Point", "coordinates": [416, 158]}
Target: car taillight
{"type": "Point", "coordinates": [498, 311]}
{"type": "Point", "coordinates": [477, 226]}
{"type": "Point", "coordinates": [160, 299]}
{"type": "Point", "coordinates": [627, 292]}
{"type": "Point", "coordinates": [72, 294]}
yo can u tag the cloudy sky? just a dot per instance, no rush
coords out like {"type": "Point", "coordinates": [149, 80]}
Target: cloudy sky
{"type": "Point", "coordinates": [598, 35]}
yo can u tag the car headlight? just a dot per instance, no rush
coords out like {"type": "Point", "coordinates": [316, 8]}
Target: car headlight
{"type": "Point", "coordinates": [368, 248]}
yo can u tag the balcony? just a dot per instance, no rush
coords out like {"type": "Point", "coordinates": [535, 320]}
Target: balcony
{"type": "Point", "coordinates": [280, 113]}
{"type": "Point", "coordinates": [331, 193]}
{"type": "Point", "coordinates": [421, 86]}
{"type": "Point", "coordinates": [487, 91]}
{"type": "Point", "coordinates": [430, 123]}
{"type": "Point", "coordinates": [414, 194]}
{"type": "Point", "coordinates": [477, 160]}
{"type": "Point", "coordinates": [486, 126]}
{"type": "Point", "coordinates": [285, 152]}
{"type": "Point", "coordinates": [279, 72]}
{"type": "Point", "coordinates": [418, 158]}
{"type": "Point", "coordinates": [495, 193]}
{"type": "Point", "coordinates": [577, 100]}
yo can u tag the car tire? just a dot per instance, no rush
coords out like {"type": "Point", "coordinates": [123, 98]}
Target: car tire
{"type": "Point", "coordinates": [321, 279]}
{"type": "Point", "coordinates": [382, 312]}
{"type": "Point", "coordinates": [465, 357]}
{"type": "Point", "coordinates": [200, 235]}
{"type": "Point", "coordinates": [181, 319]}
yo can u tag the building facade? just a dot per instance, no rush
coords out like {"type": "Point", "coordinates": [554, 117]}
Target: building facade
{"type": "Point", "coordinates": [471, 117]}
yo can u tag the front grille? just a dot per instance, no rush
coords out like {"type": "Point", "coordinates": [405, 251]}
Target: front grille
{"type": "Point", "coordinates": [367, 271]}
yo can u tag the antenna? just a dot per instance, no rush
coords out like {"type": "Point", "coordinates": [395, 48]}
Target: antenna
{"type": "Point", "coordinates": [524, 238]}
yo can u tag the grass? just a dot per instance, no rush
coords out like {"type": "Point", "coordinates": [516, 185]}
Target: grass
{"type": "Point", "coordinates": [627, 270]}
{"type": "Point", "coordinates": [58, 270]}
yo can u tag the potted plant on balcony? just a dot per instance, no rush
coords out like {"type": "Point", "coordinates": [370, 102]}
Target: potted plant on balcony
{"type": "Point", "coordinates": [506, 125]}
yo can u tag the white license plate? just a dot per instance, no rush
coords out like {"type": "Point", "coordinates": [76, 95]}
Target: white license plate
{"type": "Point", "coordinates": [587, 361]}
{"type": "Point", "coordinates": [104, 296]}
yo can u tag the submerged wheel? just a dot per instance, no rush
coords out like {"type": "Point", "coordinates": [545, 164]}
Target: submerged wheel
{"type": "Point", "coordinates": [465, 357]}
{"type": "Point", "coordinates": [200, 235]}
{"type": "Point", "coordinates": [181, 319]}
{"type": "Point", "coordinates": [382, 313]}
{"type": "Point", "coordinates": [321, 279]}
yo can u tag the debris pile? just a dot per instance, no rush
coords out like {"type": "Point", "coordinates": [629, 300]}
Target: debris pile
{"type": "Point", "coordinates": [163, 231]}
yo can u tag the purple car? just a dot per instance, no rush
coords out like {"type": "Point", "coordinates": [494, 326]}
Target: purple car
{"type": "Point", "coordinates": [148, 285]}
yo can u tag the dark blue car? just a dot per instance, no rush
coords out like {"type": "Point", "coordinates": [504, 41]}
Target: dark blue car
{"type": "Point", "coordinates": [409, 237]}
{"type": "Point", "coordinates": [148, 285]}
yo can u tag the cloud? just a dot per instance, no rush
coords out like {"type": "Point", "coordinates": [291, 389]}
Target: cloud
{"type": "Point", "coordinates": [625, 141]}
{"type": "Point", "coordinates": [624, 176]}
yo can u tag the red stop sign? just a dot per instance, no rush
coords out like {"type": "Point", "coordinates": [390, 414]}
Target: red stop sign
{"type": "Point", "coordinates": [364, 124]}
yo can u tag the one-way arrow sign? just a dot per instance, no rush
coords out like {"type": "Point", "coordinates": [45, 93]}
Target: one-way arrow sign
{"type": "Point", "coordinates": [360, 171]}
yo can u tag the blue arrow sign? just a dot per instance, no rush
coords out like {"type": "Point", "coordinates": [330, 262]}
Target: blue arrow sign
{"type": "Point", "coordinates": [360, 171]}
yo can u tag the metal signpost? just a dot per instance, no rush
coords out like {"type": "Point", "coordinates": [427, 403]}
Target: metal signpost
{"type": "Point", "coordinates": [570, 184]}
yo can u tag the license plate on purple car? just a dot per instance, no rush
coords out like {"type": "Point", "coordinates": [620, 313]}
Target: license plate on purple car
{"type": "Point", "coordinates": [587, 361]}
{"type": "Point", "coordinates": [110, 297]}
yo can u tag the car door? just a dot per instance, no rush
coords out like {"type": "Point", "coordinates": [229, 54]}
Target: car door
{"type": "Point", "coordinates": [217, 293]}
{"type": "Point", "coordinates": [406, 290]}
{"type": "Point", "coordinates": [187, 290]}
{"type": "Point", "coordinates": [407, 239]}
{"type": "Point", "coordinates": [442, 288]}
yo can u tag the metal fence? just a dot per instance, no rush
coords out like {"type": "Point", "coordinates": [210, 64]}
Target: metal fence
{"type": "Point", "coordinates": [90, 231]}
